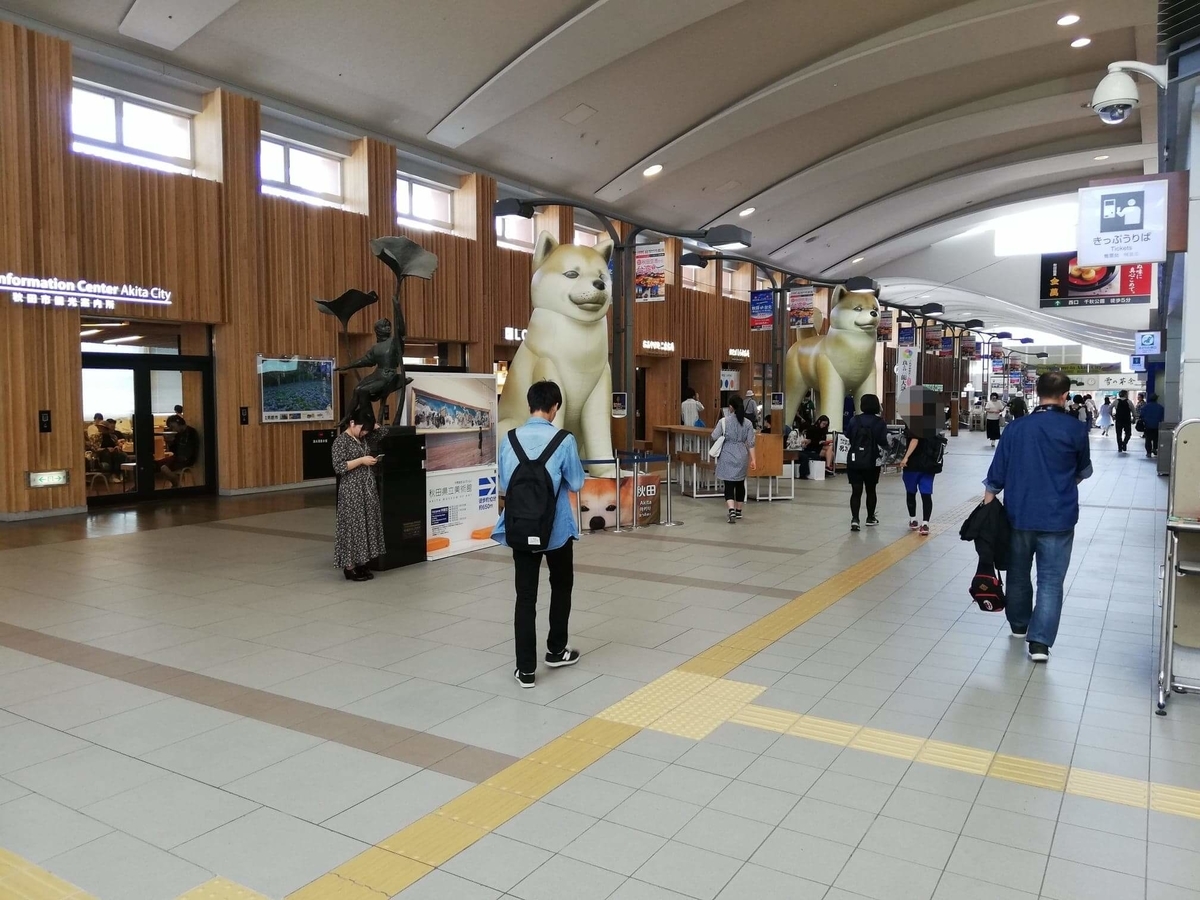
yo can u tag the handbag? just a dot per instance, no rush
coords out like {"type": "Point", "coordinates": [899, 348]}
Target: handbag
{"type": "Point", "coordinates": [1139, 426]}
{"type": "Point", "coordinates": [715, 450]}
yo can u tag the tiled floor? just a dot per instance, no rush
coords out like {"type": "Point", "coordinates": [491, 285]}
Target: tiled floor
{"type": "Point", "coordinates": [211, 703]}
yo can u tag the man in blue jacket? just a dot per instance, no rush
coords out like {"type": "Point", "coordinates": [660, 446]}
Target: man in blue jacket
{"type": "Point", "coordinates": [1152, 417]}
{"type": "Point", "coordinates": [566, 474]}
{"type": "Point", "coordinates": [1038, 465]}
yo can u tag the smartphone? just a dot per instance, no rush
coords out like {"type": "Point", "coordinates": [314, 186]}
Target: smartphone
{"type": "Point", "coordinates": [379, 458]}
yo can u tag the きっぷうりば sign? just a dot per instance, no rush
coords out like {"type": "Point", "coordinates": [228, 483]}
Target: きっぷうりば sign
{"type": "Point", "coordinates": [1123, 223]}
{"type": "Point", "coordinates": [30, 291]}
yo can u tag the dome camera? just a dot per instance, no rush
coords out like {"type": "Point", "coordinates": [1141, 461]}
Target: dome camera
{"type": "Point", "coordinates": [1116, 96]}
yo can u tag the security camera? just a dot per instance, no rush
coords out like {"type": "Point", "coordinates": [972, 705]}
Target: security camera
{"type": "Point", "coordinates": [1116, 95]}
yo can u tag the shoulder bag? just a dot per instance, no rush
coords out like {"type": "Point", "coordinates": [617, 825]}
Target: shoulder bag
{"type": "Point", "coordinates": [715, 450]}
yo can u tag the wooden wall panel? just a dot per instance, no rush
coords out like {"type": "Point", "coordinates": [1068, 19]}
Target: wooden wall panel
{"type": "Point", "coordinates": [38, 237]}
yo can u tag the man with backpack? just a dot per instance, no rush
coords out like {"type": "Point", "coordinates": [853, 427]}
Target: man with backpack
{"type": "Point", "coordinates": [925, 449]}
{"type": "Point", "coordinates": [1123, 418]}
{"type": "Point", "coordinates": [538, 465]}
{"type": "Point", "coordinates": [868, 436]}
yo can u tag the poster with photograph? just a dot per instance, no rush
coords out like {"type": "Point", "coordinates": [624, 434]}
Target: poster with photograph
{"type": "Point", "coordinates": [907, 336]}
{"type": "Point", "coordinates": [947, 348]}
{"type": "Point", "coordinates": [650, 278]}
{"type": "Point", "coordinates": [970, 348]}
{"type": "Point", "coordinates": [1065, 283]}
{"type": "Point", "coordinates": [294, 389]}
{"type": "Point", "coordinates": [887, 320]}
{"type": "Point", "coordinates": [801, 303]}
{"type": "Point", "coordinates": [596, 504]}
{"type": "Point", "coordinates": [457, 414]}
{"type": "Point", "coordinates": [762, 310]}
{"type": "Point", "coordinates": [933, 338]}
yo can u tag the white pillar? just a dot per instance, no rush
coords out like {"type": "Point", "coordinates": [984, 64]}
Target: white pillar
{"type": "Point", "coordinates": [1189, 378]}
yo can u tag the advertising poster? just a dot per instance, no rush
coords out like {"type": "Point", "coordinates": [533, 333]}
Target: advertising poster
{"type": "Point", "coordinates": [456, 412]}
{"type": "Point", "coordinates": [1123, 223]}
{"type": "Point", "coordinates": [947, 348]}
{"type": "Point", "coordinates": [800, 306]}
{"type": "Point", "coordinates": [620, 404]}
{"type": "Point", "coordinates": [998, 364]}
{"type": "Point", "coordinates": [650, 280]}
{"type": "Point", "coordinates": [1066, 283]}
{"type": "Point", "coordinates": [730, 380]}
{"type": "Point", "coordinates": [762, 310]}
{"type": "Point", "coordinates": [933, 338]}
{"type": "Point", "coordinates": [776, 400]}
{"type": "Point", "coordinates": [906, 367]}
{"type": "Point", "coordinates": [886, 322]}
{"type": "Point", "coordinates": [970, 348]}
{"type": "Point", "coordinates": [295, 389]}
{"type": "Point", "coordinates": [998, 351]}
{"type": "Point", "coordinates": [596, 504]}
{"type": "Point", "coordinates": [907, 336]}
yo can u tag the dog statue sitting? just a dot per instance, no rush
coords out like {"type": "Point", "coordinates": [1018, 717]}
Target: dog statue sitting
{"type": "Point", "coordinates": [567, 342]}
{"type": "Point", "coordinates": [836, 357]}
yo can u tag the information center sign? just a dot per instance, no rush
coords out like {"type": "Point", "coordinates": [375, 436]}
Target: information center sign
{"type": "Point", "coordinates": [95, 295]}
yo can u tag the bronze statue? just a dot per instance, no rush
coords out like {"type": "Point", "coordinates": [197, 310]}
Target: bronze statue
{"type": "Point", "coordinates": [404, 258]}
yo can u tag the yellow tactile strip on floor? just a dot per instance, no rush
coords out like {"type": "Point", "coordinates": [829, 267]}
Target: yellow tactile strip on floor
{"type": "Point", "coordinates": [22, 880]}
{"type": "Point", "coordinates": [222, 889]}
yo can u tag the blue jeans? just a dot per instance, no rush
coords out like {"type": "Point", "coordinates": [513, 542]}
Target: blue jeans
{"type": "Point", "coordinates": [1053, 552]}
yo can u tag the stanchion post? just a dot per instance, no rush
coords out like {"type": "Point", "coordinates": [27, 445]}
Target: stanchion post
{"type": "Point", "coordinates": [617, 467]}
{"type": "Point", "coordinates": [670, 522]}
{"type": "Point", "coordinates": [634, 524]}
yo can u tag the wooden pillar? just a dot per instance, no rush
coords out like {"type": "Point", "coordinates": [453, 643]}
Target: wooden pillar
{"type": "Point", "coordinates": [38, 238]}
{"type": "Point", "coordinates": [473, 219]}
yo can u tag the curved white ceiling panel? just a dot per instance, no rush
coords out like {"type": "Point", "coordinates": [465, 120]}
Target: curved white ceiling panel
{"type": "Point", "coordinates": [958, 37]}
{"type": "Point", "coordinates": [599, 35]}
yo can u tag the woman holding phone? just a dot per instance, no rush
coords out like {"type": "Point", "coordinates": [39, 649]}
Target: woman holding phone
{"type": "Point", "coordinates": [359, 519]}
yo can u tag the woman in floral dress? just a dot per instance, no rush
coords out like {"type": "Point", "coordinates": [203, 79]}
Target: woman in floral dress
{"type": "Point", "coordinates": [359, 520]}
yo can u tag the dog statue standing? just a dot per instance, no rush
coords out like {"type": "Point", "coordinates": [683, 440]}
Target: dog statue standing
{"type": "Point", "coordinates": [567, 342]}
{"type": "Point", "coordinates": [836, 357]}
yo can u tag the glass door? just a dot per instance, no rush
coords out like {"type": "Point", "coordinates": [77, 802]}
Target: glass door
{"type": "Point", "coordinates": [149, 430]}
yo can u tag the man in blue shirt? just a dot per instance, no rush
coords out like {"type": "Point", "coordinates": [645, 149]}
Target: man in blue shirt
{"type": "Point", "coordinates": [1152, 417]}
{"type": "Point", "coordinates": [566, 471]}
{"type": "Point", "coordinates": [1038, 465]}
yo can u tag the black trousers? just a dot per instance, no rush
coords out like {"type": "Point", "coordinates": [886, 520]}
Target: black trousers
{"type": "Point", "coordinates": [860, 478]}
{"type": "Point", "coordinates": [1124, 430]}
{"type": "Point", "coordinates": [562, 579]}
{"type": "Point", "coordinates": [736, 491]}
{"type": "Point", "coordinates": [1151, 436]}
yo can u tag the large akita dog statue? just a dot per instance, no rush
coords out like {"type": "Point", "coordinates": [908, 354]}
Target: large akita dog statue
{"type": "Point", "coordinates": [567, 342]}
{"type": "Point", "coordinates": [837, 357]}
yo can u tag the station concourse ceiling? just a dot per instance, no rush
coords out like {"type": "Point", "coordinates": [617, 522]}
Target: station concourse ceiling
{"type": "Point", "coordinates": [844, 124]}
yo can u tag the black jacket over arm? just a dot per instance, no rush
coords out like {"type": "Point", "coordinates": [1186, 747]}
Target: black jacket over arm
{"type": "Point", "coordinates": [988, 527]}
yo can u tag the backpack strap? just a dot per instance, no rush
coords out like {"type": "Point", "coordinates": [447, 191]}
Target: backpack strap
{"type": "Point", "coordinates": [555, 443]}
{"type": "Point", "coordinates": [517, 448]}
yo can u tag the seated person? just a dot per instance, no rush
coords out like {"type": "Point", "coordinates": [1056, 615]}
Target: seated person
{"type": "Point", "coordinates": [766, 429]}
{"type": "Point", "coordinates": [110, 454]}
{"type": "Point", "coordinates": [185, 451]}
{"type": "Point", "coordinates": [815, 444]}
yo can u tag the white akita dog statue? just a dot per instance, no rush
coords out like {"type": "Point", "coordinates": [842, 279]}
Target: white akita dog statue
{"type": "Point", "coordinates": [567, 343]}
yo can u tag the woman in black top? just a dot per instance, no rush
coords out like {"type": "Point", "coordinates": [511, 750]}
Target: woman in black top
{"type": "Point", "coordinates": [816, 439]}
{"type": "Point", "coordinates": [1123, 419]}
{"type": "Point", "coordinates": [866, 476]}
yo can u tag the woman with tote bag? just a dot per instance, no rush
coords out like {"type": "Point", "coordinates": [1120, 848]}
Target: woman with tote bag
{"type": "Point", "coordinates": [733, 443]}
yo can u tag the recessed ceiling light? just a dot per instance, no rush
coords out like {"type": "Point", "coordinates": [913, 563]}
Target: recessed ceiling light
{"type": "Point", "coordinates": [1080, 42]}
{"type": "Point", "coordinates": [124, 340]}
{"type": "Point", "coordinates": [651, 171]}
{"type": "Point", "coordinates": [747, 211]}
{"type": "Point", "coordinates": [857, 260]}
{"type": "Point", "coordinates": [1068, 19]}
{"type": "Point", "coordinates": [89, 332]}
{"type": "Point", "coordinates": [1101, 157]}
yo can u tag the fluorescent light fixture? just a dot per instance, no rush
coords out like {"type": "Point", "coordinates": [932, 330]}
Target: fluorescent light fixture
{"type": "Point", "coordinates": [748, 211]}
{"type": "Point", "coordinates": [651, 171]}
{"type": "Point", "coordinates": [89, 332]}
{"type": "Point", "coordinates": [124, 340]}
{"type": "Point", "coordinates": [857, 260]}
{"type": "Point", "coordinates": [693, 261]}
{"type": "Point", "coordinates": [1101, 157]}
{"type": "Point", "coordinates": [1068, 19]}
{"type": "Point", "coordinates": [1081, 42]}
{"type": "Point", "coordinates": [727, 237]}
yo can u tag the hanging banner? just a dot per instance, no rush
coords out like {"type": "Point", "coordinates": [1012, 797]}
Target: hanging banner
{"type": "Point", "coordinates": [907, 336]}
{"type": "Point", "coordinates": [933, 338]}
{"type": "Point", "coordinates": [969, 348]}
{"type": "Point", "coordinates": [762, 310]}
{"type": "Point", "coordinates": [997, 351]}
{"type": "Point", "coordinates": [1015, 364]}
{"type": "Point", "coordinates": [457, 414]}
{"type": "Point", "coordinates": [998, 364]}
{"type": "Point", "coordinates": [947, 348]}
{"type": "Point", "coordinates": [886, 322]}
{"type": "Point", "coordinates": [1065, 282]}
{"type": "Point", "coordinates": [1123, 223]}
{"type": "Point", "coordinates": [906, 367]}
{"type": "Point", "coordinates": [650, 280]}
{"type": "Point", "coordinates": [800, 306]}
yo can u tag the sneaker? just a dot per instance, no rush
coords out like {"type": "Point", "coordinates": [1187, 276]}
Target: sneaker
{"type": "Point", "coordinates": [737, 513]}
{"type": "Point", "coordinates": [924, 530]}
{"type": "Point", "coordinates": [1018, 631]}
{"type": "Point", "coordinates": [732, 517]}
{"type": "Point", "coordinates": [872, 521]}
{"type": "Point", "coordinates": [854, 526]}
{"type": "Point", "coordinates": [568, 657]}
{"type": "Point", "coordinates": [524, 679]}
{"type": "Point", "coordinates": [1038, 652]}
{"type": "Point", "coordinates": [913, 524]}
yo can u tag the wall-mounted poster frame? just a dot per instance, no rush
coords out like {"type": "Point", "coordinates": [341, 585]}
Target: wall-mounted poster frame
{"type": "Point", "coordinates": [295, 388]}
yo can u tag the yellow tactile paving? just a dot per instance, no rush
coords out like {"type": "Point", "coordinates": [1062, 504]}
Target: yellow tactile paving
{"type": "Point", "coordinates": [22, 880]}
{"type": "Point", "coordinates": [222, 889]}
{"type": "Point", "coordinates": [956, 756]}
{"type": "Point", "coordinates": [529, 778]}
{"type": "Point", "coordinates": [656, 699]}
{"type": "Point", "coordinates": [382, 871]}
{"type": "Point", "coordinates": [1113, 788]}
{"type": "Point", "coordinates": [766, 718]}
{"type": "Point", "coordinates": [1029, 771]}
{"type": "Point", "coordinates": [708, 710]}
{"type": "Point", "coordinates": [606, 734]}
{"type": "Point", "coordinates": [484, 807]}
{"type": "Point", "coordinates": [433, 840]}
{"type": "Point", "coordinates": [826, 730]}
{"type": "Point", "coordinates": [1175, 800]}
{"type": "Point", "coordinates": [887, 743]}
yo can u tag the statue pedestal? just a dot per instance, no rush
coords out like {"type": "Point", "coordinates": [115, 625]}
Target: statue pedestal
{"type": "Point", "coordinates": [402, 498]}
